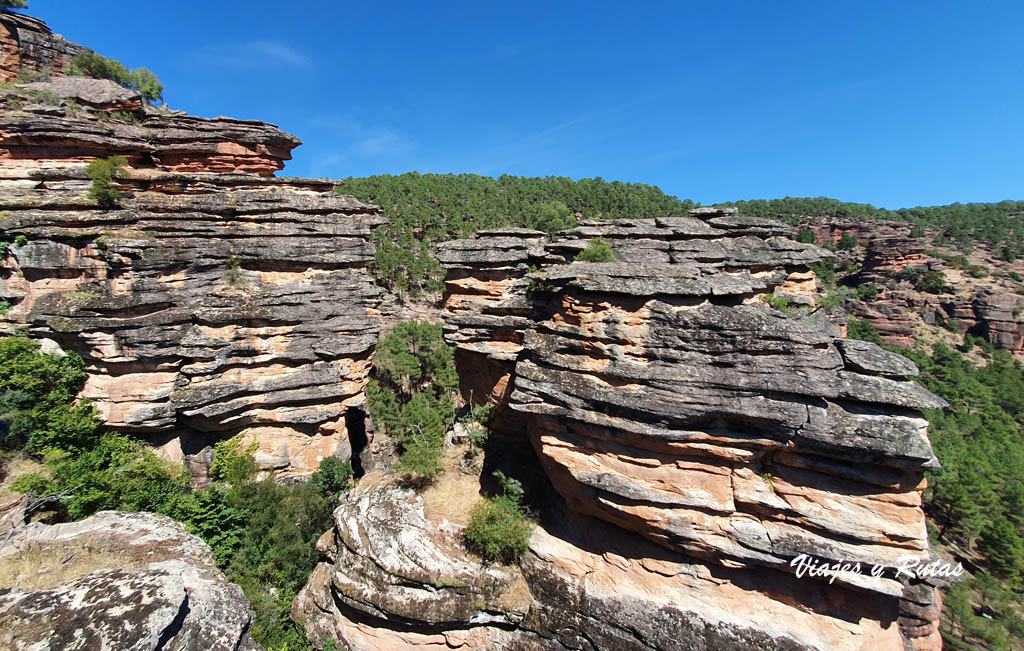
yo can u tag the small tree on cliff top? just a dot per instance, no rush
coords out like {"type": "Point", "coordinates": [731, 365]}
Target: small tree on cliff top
{"type": "Point", "coordinates": [14, 4]}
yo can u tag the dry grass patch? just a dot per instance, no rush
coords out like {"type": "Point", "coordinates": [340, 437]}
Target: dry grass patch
{"type": "Point", "coordinates": [42, 568]}
{"type": "Point", "coordinates": [452, 493]}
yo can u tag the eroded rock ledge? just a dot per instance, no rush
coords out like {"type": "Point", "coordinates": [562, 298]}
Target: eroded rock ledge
{"type": "Point", "coordinates": [118, 581]}
{"type": "Point", "coordinates": [663, 398]}
{"type": "Point", "coordinates": [207, 302]}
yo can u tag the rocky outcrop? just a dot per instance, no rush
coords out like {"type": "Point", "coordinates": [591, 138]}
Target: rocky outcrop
{"type": "Point", "coordinates": [207, 302]}
{"type": "Point", "coordinates": [488, 295]}
{"type": "Point", "coordinates": [891, 254]}
{"type": "Point", "coordinates": [665, 399]}
{"type": "Point", "coordinates": [394, 577]}
{"type": "Point", "coordinates": [117, 581]}
{"type": "Point", "coordinates": [28, 48]}
{"type": "Point", "coordinates": [78, 128]}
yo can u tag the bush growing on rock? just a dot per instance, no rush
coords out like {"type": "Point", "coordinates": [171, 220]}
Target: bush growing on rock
{"type": "Point", "coordinates": [97, 66]}
{"type": "Point", "coordinates": [599, 250]}
{"type": "Point", "coordinates": [102, 171]}
{"type": "Point", "coordinates": [498, 530]}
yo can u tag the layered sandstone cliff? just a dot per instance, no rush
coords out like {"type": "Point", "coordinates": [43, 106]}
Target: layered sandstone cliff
{"type": "Point", "coordinates": [698, 441]}
{"type": "Point", "coordinates": [213, 299]}
{"type": "Point", "coordinates": [664, 398]}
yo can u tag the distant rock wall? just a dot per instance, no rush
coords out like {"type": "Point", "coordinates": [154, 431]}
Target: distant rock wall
{"type": "Point", "coordinates": [29, 48]}
{"type": "Point", "coordinates": [665, 399]}
{"type": "Point", "coordinates": [211, 301]}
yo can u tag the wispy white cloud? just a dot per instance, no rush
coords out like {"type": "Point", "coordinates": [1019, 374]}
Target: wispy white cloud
{"type": "Point", "coordinates": [251, 54]}
{"type": "Point", "coordinates": [356, 142]}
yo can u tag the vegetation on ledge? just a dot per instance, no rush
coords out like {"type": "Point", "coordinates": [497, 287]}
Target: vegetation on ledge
{"type": "Point", "coordinates": [262, 534]}
{"type": "Point", "coordinates": [424, 209]}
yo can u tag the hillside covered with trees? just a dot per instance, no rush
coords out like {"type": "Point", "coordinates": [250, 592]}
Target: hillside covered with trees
{"type": "Point", "coordinates": [960, 223]}
{"type": "Point", "coordinates": [424, 209]}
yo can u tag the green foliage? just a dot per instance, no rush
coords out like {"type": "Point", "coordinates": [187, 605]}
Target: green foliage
{"type": "Point", "coordinates": [599, 250]}
{"type": "Point", "coordinates": [332, 478]}
{"type": "Point", "coordinates": [233, 277]}
{"type": "Point", "coordinates": [97, 66]}
{"type": "Point", "coordinates": [43, 96]}
{"type": "Point", "coordinates": [36, 398]}
{"type": "Point", "coordinates": [866, 292]}
{"type": "Point", "coordinates": [21, 240]}
{"type": "Point", "coordinates": [5, 306]}
{"type": "Point", "coordinates": [863, 330]}
{"type": "Point", "coordinates": [424, 209]}
{"type": "Point", "coordinates": [806, 236]}
{"type": "Point", "coordinates": [102, 171]}
{"type": "Point", "coordinates": [14, 4]}
{"type": "Point", "coordinates": [780, 303]}
{"type": "Point", "coordinates": [231, 463]}
{"type": "Point", "coordinates": [977, 499]}
{"type": "Point", "coordinates": [825, 272]}
{"type": "Point", "coordinates": [497, 529]}
{"type": "Point", "coordinates": [410, 395]}
{"type": "Point", "coordinates": [117, 472]}
{"type": "Point", "coordinates": [933, 282]}
{"type": "Point", "coordinates": [847, 242]}
{"type": "Point", "coordinates": [959, 224]}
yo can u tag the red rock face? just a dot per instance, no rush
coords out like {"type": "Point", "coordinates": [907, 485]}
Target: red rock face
{"type": "Point", "coordinates": [29, 49]}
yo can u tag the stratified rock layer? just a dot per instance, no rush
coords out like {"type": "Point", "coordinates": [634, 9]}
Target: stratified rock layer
{"type": "Point", "coordinates": [117, 581]}
{"type": "Point", "coordinates": [205, 303]}
{"type": "Point", "coordinates": [663, 397]}
{"type": "Point", "coordinates": [29, 48]}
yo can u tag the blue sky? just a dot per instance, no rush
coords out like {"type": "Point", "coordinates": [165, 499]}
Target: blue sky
{"type": "Point", "coordinates": [892, 103]}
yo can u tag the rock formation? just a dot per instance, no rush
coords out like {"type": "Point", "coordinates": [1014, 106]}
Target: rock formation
{"type": "Point", "coordinates": [117, 581]}
{"type": "Point", "coordinates": [28, 48]}
{"type": "Point", "coordinates": [213, 299]}
{"type": "Point", "coordinates": [699, 441]}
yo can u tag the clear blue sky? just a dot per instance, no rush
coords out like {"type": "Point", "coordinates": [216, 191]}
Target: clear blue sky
{"type": "Point", "coordinates": [892, 103]}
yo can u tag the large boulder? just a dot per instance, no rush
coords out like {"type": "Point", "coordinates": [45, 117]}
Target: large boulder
{"type": "Point", "coordinates": [117, 580]}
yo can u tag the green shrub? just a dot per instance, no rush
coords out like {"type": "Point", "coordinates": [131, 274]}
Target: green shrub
{"type": "Point", "coordinates": [20, 240]}
{"type": "Point", "coordinates": [776, 302]}
{"type": "Point", "coordinates": [14, 4]}
{"type": "Point", "coordinates": [847, 242]}
{"type": "Point", "coordinates": [863, 330]}
{"type": "Point", "coordinates": [37, 395]}
{"type": "Point", "coordinates": [806, 236]}
{"type": "Point", "coordinates": [231, 463]}
{"type": "Point", "coordinates": [497, 529]}
{"type": "Point", "coordinates": [332, 477]}
{"type": "Point", "coordinates": [43, 96]}
{"type": "Point", "coordinates": [5, 306]}
{"type": "Point", "coordinates": [233, 277]}
{"type": "Point", "coordinates": [825, 272]}
{"type": "Point", "coordinates": [599, 250]}
{"type": "Point", "coordinates": [866, 292]}
{"type": "Point", "coordinates": [102, 171]}
{"type": "Point", "coordinates": [97, 66]}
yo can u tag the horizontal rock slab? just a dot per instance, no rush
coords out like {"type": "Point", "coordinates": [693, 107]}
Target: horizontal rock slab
{"type": "Point", "coordinates": [121, 581]}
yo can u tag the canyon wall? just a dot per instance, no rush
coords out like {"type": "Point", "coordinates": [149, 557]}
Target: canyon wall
{"type": "Point", "coordinates": [213, 298]}
{"type": "Point", "coordinates": [697, 443]}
